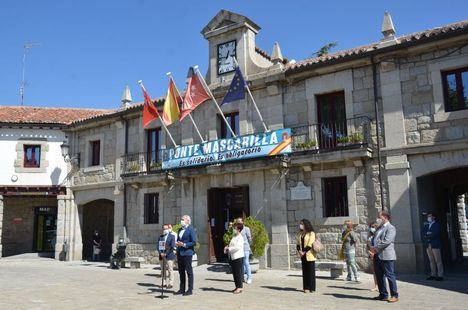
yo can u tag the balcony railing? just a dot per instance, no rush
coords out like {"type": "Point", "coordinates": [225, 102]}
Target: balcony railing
{"type": "Point", "coordinates": [323, 137]}
{"type": "Point", "coordinates": [138, 163]}
{"type": "Point", "coordinates": [331, 136]}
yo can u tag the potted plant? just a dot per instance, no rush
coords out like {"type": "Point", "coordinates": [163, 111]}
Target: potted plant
{"type": "Point", "coordinates": [133, 167]}
{"type": "Point", "coordinates": [308, 145]}
{"type": "Point", "coordinates": [175, 228]}
{"type": "Point", "coordinates": [259, 240]}
{"type": "Point", "coordinates": [356, 137]}
{"type": "Point", "coordinates": [342, 141]}
{"type": "Point", "coordinates": [155, 165]}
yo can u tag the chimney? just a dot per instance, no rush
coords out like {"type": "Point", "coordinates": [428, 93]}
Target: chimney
{"type": "Point", "coordinates": [126, 98]}
{"type": "Point", "coordinates": [276, 56]}
{"type": "Point", "coordinates": [388, 31]}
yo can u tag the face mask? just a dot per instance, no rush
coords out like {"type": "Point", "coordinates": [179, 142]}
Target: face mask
{"type": "Point", "coordinates": [236, 232]}
{"type": "Point", "coordinates": [378, 221]}
{"type": "Point", "coordinates": [183, 223]}
{"type": "Point", "coordinates": [345, 227]}
{"type": "Point", "coordinates": [165, 231]}
{"type": "Point", "coordinates": [301, 227]}
{"type": "Point", "coordinates": [430, 219]}
{"type": "Point", "coordinates": [372, 229]}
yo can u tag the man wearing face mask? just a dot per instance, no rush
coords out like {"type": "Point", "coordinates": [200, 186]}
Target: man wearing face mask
{"type": "Point", "coordinates": [166, 246]}
{"type": "Point", "coordinates": [431, 236]}
{"type": "Point", "coordinates": [186, 240]}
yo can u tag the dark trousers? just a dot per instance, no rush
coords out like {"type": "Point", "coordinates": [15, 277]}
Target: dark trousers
{"type": "Point", "coordinates": [308, 274]}
{"type": "Point", "coordinates": [385, 270]}
{"type": "Point", "coordinates": [237, 271]}
{"type": "Point", "coordinates": [185, 266]}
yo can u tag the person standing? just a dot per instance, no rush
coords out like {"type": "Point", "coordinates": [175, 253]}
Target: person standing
{"type": "Point", "coordinates": [235, 251]}
{"type": "Point", "coordinates": [348, 250]}
{"type": "Point", "coordinates": [385, 256]}
{"type": "Point", "coordinates": [431, 235]}
{"type": "Point", "coordinates": [304, 242]}
{"type": "Point", "coordinates": [97, 243]}
{"type": "Point", "coordinates": [186, 241]}
{"type": "Point", "coordinates": [166, 247]}
{"type": "Point", "coordinates": [247, 235]}
{"type": "Point", "coordinates": [372, 230]}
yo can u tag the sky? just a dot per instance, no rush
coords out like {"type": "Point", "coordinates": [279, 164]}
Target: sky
{"type": "Point", "coordinates": [89, 50]}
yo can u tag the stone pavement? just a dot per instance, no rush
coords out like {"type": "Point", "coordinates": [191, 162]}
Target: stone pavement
{"type": "Point", "coordinates": [47, 284]}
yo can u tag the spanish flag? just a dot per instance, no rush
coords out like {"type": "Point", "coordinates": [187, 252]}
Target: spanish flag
{"type": "Point", "coordinates": [171, 110]}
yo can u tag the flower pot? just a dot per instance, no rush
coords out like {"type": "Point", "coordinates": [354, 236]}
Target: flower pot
{"type": "Point", "coordinates": [254, 265]}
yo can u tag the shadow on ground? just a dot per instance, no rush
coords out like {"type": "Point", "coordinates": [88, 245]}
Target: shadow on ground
{"type": "Point", "coordinates": [212, 289]}
{"type": "Point", "coordinates": [278, 288]}
{"type": "Point", "coordinates": [345, 296]}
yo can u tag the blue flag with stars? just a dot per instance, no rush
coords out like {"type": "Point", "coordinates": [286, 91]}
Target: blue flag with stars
{"type": "Point", "coordinates": [237, 89]}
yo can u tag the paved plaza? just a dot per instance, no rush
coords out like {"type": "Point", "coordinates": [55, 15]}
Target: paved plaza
{"type": "Point", "coordinates": [39, 283]}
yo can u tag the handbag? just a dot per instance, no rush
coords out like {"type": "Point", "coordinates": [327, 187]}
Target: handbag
{"type": "Point", "coordinates": [317, 246]}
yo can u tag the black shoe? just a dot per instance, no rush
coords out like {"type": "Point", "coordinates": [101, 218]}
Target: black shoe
{"type": "Point", "coordinates": [431, 278]}
{"type": "Point", "coordinates": [179, 292]}
{"type": "Point", "coordinates": [380, 297]}
{"type": "Point", "coordinates": [439, 279]}
{"type": "Point", "coordinates": [188, 293]}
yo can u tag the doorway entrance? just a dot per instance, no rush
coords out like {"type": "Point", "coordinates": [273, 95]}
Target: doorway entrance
{"type": "Point", "coordinates": [98, 215]}
{"type": "Point", "coordinates": [442, 193]}
{"type": "Point", "coordinates": [224, 205]}
{"type": "Point", "coordinates": [45, 229]}
{"type": "Point", "coordinates": [331, 115]}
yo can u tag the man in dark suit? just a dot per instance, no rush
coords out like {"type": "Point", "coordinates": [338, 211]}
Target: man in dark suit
{"type": "Point", "coordinates": [431, 236]}
{"type": "Point", "coordinates": [186, 240]}
{"type": "Point", "coordinates": [385, 256]}
{"type": "Point", "coordinates": [166, 247]}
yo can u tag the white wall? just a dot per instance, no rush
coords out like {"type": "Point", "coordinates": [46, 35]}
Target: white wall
{"type": "Point", "coordinates": [54, 173]}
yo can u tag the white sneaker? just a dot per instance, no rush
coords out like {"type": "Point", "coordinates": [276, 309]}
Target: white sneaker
{"type": "Point", "coordinates": [249, 281]}
{"type": "Point", "coordinates": [358, 279]}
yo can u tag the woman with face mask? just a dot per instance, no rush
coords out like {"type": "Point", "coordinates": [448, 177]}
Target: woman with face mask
{"type": "Point", "coordinates": [370, 237]}
{"type": "Point", "coordinates": [235, 251]}
{"type": "Point", "coordinates": [304, 245]}
{"type": "Point", "coordinates": [97, 245]}
{"type": "Point", "coordinates": [348, 250]}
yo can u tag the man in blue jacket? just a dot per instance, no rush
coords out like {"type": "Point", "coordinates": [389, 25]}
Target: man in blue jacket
{"type": "Point", "coordinates": [166, 247]}
{"type": "Point", "coordinates": [431, 236]}
{"type": "Point", "coordinates": [186, 240]}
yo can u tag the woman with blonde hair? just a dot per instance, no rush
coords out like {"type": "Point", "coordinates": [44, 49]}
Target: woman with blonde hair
{"type": "Point", "coordinates": [304, 244]}
{"type": "Point", "coordinates": [348, 250]}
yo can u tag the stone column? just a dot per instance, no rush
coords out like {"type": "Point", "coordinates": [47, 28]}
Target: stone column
{"type": "Point", "coordinates": [462, 222]}
{"type": "Point", "coordinates": [61, 239]}
{"type": "Point", "coordinates": [1, 223]}
{"type": "Point", "coordinates": [118, 215]}
{"type": "Point", "coordinates": [398, 179]}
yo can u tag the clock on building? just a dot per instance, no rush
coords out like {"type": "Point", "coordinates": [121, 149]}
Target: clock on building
{"type": "Point", "coordinates": [226, 55]}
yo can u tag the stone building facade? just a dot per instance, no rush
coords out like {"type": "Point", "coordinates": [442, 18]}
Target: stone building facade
{"type": "Point", "coordinates": [370, 130]}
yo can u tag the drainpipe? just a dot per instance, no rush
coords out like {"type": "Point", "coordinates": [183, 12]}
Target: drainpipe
{"type": "Point", "coordinates": [125, 185]}
{"type": "Point", "coordinates": [377, 127]}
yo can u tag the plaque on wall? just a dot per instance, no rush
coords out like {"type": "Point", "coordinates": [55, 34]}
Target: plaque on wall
{"type": "Point", "coordinates": [301, 192]}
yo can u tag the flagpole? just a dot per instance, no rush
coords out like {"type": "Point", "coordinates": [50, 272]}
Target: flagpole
{"type": "Point", "coordinates": [162, 121]}
{"type": "Point", "coordinates": [253, 101]}
{"type": "Point", "coordinates": [214, 100]}
{"type": "Point", "coordinates": [169, 74]}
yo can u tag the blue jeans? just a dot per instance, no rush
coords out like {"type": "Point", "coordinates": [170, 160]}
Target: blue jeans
{"type": "Point", "coordinates": [350, 258]}
{"type": "Point", "coordinates": [385, 269]}
{"type": "Point", "coordinates": [246, 265]}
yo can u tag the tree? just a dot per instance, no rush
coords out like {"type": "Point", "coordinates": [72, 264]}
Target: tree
{"type": "Point", "coordinates": [324, 50]}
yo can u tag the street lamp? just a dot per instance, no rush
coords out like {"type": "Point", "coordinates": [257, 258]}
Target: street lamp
{"type": "Point", "coordinates": [74, 160]}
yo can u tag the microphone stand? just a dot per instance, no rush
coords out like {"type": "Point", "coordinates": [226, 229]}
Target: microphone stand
{"type": "Point", "coordinates": [163, 274]}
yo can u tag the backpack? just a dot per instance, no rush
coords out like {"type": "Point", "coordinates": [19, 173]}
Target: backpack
{"type": "Point", "coordinates": [317, 246]}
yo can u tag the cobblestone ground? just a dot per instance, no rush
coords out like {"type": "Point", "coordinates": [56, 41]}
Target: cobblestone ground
{"type": "Point", "coordinates": [48, 284]}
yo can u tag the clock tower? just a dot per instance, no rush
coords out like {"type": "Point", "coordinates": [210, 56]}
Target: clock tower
{"type": "Point", "coordinates": [231, 38]}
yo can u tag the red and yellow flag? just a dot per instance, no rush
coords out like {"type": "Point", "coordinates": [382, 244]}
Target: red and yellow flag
{"type": "Point", "coordinates": [171, 110]}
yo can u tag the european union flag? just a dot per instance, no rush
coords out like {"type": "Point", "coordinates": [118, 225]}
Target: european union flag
{"type": "Point", "coordinates": [237, 89]}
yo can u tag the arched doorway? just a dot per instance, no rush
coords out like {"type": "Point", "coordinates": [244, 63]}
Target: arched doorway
{"type": "Point", "coordinates": [98, 215]}
{"type": "Point", "coordinates": [442, 193]}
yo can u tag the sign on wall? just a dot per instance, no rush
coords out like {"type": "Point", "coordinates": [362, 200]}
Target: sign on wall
{"type": "Point", "coordinates": [301, 192]}
{"type": "Point", "coordinates": [272, 143]}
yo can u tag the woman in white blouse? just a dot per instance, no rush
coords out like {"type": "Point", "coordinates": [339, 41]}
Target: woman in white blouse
{"type": "Point", "coordinates": [235, 250]}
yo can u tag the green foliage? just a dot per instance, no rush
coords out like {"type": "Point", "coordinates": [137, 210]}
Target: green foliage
{"type": "Point", "coordinates": [155, 165]}
{"type": "Point", "coordinates": [356, 137]}
{"type": "Point", "coordinates": [344, 139]}
{"type": "Point", "coordinates": [324, 50]}
{"type": "Point", "coordinates": [259, 236]}
{"type": "Point", "coordinates": [133, 167]}
{"type": "Point", "coordinates": [307, 145]}
{"type": "Point", "coordinates": [176, 227]}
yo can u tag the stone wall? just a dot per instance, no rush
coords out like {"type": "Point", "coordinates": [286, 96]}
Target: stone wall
{"type": "Point", "coordinates": [418, 93]}
{"type": "Point", "coordinates": [18, 223]}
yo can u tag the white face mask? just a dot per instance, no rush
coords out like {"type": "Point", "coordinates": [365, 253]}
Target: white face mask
{"type": "Point", "coordinates": [378, 221]}
{"type": "Point", "coordinates": [430, 219]}
{"type": "Point", "coordinates": [372, 229]}
{"type": "Point", "coordinates": [183, 223]}
{"type": "Point", "coordinates": [345, 227]}
{"type": "Point", "coordinates": [166, 231]}
{"type": "Point", "coordinates": [301, 227]}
